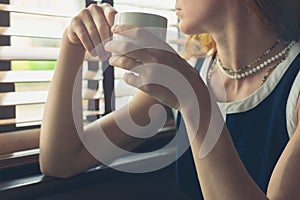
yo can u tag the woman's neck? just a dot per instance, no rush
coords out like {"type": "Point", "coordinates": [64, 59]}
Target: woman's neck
{"type": "Point", "coordinates": [241, 40]}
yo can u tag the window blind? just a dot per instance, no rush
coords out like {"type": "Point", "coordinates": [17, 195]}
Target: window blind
{"type": "Point", "coordinates": [30, 34]}
{"type": "Point", "coordinates": [32, 37]}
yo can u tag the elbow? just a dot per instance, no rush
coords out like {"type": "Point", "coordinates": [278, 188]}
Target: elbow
{"type": "Point", "coordinates": [56, 172]}
{"type": "Point", "coordinates": [54, 169]}
{"type": "Point", "coordinates": [281, 195]}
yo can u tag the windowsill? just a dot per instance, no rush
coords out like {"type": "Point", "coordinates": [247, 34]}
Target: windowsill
{"type": "Point", "coordinates": [25, 181]}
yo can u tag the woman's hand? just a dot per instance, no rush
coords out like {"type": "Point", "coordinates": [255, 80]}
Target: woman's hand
{"type": "Point", "coordinates": [91, 28]}
{"type": "Point", "coordinates": [155, 67]}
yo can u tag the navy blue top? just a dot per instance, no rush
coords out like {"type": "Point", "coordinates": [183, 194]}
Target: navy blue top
{"type": "Point", "coordinates": [259, 135]}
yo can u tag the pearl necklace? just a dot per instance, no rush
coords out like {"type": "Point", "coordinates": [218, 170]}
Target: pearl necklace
{"type": "Point", "coordinates": [256, 68]}
{"type": "Point", "coordinates": [267, 52]}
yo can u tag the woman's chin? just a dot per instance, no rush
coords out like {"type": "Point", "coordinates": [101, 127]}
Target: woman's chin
{"type": "Point", "coordinates": [184, 28]}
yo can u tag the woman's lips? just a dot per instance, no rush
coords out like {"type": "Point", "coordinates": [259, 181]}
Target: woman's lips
{"type": "Point", "coordinates": [177, 8]}
{"type": "Point", "coordinates": [178, 11]}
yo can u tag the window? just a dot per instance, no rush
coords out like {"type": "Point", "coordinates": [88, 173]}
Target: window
{"type": "Point", "coordinates": [30, 33]}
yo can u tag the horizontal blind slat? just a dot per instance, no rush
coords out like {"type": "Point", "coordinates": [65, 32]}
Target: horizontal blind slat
{"type": "Point", "coordinates": [154, 4]}
{"type": "Point", "coordinates": [4, 122]}
{"type": "Point", "coordinates": [26, 76]}
{"type": "Point", "coordinates": [91, 94]}
{"type": "Point", "coordinates": [93, 75]}
{"type": "Point", "coordinates": [39, 76]}
{"type": "Point", "coordinates": [34, 53]}
{"type": "Point", "coordinates": [35, 11]}
{"type": "Point", "coordinates": [36, 97]}
{"type": "Point", "coordinates": [37, 120]}
{"type": "Point", "coordinates": [22, 98]}
{"type": "Point", "coordinates": [23, 53]}
{"type": "Point", "coordinates": [39, 33]}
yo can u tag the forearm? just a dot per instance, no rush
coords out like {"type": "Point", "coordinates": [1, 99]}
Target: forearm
{"type": "Point", "coordinates": [19, 140]}
{"type": "Point", "coordinates": [59, 141]}
{"type": "Point", "coordinates": [221, 173]}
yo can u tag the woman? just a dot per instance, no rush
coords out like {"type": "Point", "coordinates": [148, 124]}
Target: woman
{"type": "Point", "coordinates": [247, 79]}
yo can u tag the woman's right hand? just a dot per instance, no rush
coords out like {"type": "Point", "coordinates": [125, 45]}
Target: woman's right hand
{"type": "Point", "coordinates": [91, 29]}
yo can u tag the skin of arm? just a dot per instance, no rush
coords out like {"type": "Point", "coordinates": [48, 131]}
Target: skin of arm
{"type": "Point", "coordinates": [62, 153]}
{"type": "Point", "coordinates": [19, 141]}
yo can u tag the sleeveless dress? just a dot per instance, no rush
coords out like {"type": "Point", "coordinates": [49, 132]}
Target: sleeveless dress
{"type": "Point", "coordinates": [260, 125]}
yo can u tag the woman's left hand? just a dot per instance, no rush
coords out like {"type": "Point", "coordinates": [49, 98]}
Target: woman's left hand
{"type": "Point", "coordinates": [155, 67]}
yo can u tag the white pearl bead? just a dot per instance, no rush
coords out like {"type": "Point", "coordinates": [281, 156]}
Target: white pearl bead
{"type": "Point", "coordinates": [258, 68]}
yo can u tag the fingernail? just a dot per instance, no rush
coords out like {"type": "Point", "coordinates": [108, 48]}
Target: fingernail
{"type": "Point", "coordinates": [112, 9]}
{"type": "Point", "coordinates": [106, 46]}
{"type": "Point", "coordinates": [114, 28]}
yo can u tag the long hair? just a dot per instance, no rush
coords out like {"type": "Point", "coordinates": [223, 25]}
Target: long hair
{"type": "Point", "coordinates": [280, 16]}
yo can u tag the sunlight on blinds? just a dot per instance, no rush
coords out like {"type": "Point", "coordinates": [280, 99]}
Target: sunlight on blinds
{"type": "Point", "coordinates": [36, 27]}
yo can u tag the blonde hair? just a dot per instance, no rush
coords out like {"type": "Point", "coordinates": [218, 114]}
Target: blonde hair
{"type": "Point", "coordinates": [199, 46]}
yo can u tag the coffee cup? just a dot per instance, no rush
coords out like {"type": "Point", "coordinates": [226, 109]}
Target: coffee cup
{"type": "Point", "coordinates": [153, 23]}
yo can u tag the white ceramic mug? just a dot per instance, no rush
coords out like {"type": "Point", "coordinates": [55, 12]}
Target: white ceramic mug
{"type": "Point", "coordinates": [156, 24]}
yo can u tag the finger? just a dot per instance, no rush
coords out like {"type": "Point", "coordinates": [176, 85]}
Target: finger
{"type": "Point", "coordinates": [120, 47]}
{"type": "Point", "coordinates": [143, 35]}
{"type": "Point", "coordinates": [93, 32]}
{"type": "Point", "coordinates": [78, 29]}
{"type": "Point", "coordinates": [133, 80]}
{"type": "Point", "coordinates": [109, 13]}
{"type": "Point", "coordinates": [100, 22]}
{"type": "Point", "coordinates": [131, 50]}
{"type": "Point", "coordinates": [126, 63]}
{"type": "Point", "coordinates": [103, 29]}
